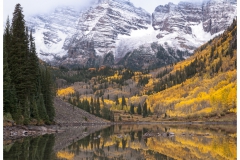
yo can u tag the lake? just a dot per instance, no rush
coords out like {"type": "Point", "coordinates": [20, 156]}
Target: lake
{"type": "Point", "coordinates": [129, 142]}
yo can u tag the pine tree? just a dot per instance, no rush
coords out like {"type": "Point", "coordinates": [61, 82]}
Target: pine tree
{"type": "Point", "coordinates": [123, 102]}
{"type": "Point", "coordinates": [92, 105]}
{"type": "Point", "coordinates": [139, 109]}
{"type": "Point", "coordinates": [18, 54]}
{"type": "Point", "coordinates": [132, 109]}
{"type": "Point", "coordinates": [33, 66]}
{"type": "Point", "coordinates": [26, 111]}
{"type": "Point", "coordinates": [9, 98]}
{"type": "Point", "coordinates": [34, 109]}
{"type": "Point", "coordinates": [98, 107]}
{"type": "Point", "coordinates": [47, 91]}
{"type": "Point", "coordinates": [41, 109]}
{"type": "Point", "coordinates": [116, 100]}
{"type": "Point", "coordinates": [145, 110]}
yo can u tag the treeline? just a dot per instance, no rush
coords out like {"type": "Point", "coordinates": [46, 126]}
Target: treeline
{"type": "Point", "coordinates": [27, 85]}
{"type": "Point", "coordinates": [80, 74]}
{"type": "Point", "coordinates": [86, 74]}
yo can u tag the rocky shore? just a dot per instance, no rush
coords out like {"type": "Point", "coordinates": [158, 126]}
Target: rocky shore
{"type": "Point", "coordinates": [17, 131]}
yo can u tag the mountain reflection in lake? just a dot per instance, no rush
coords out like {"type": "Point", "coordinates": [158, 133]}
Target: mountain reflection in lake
{"type": "Point", "coordinates": [130, 142]}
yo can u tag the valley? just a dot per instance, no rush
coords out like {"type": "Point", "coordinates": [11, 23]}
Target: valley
{"type": "Point", "coordinates": [112, 81]}
{"type": "Point", "coordinates": [174, 92]}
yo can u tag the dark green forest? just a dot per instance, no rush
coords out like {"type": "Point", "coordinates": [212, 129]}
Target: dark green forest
{"type": "Point", "coordinates": [27, 84]}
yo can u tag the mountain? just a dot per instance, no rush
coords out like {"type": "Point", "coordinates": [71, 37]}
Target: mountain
{"type": "Point", "coordinates": [99, 28]}
{"type": "Point", "coordinates": [116, 32]}
{"type": "Point", "coordinates": [202, 87]}
{"type": "Point", "coordinates": [188, 25]}
{"type": "Point", "coordinates": [51, 31]}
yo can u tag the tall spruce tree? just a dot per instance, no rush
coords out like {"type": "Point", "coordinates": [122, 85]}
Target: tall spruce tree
{"type": "Point", "coordinates": [42, 109]}
{"type": "Point", "coordinates": [139, 109]}
{"type": "Point", "coordinates": [47, 91]}
{"type": "Point", "coordinates": [132, 109]}
{"type": "Point", "coordinates": [7, 104]}
{"type": "Point", "coordinates": [33, 66]}
{"type": "Point", "coordinates": [18, 54]}
{"type": "Point", "coordinates": [145, 110]}
{"type": "Point", "coordinates": [123, 102]}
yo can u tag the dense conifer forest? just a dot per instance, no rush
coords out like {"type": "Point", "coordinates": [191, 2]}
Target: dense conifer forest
{"type": "Point", "coordinates": [27, 83]}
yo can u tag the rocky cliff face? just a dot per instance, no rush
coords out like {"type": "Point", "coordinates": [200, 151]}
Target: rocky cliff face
{"type": "Point", "coordinates": [217, 15]}
{"type": "Point", "coordinates": [188, 25]}
{"type": "Point", "coordinates": [98, 28]}
{"type": "Point", "coordinates": [112, 28]}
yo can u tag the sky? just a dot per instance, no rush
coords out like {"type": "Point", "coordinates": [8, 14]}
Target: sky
{"type": "Point", "coordinates": [31, 7]}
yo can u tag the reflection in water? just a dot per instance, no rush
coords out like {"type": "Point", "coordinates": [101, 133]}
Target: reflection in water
{"type": "Point", "coordinates": [129, 142]}
{"type": "Point", "coordinates": [30, 149]}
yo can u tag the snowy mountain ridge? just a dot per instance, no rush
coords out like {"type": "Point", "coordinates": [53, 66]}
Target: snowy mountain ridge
{"type": "Point", "coordinates": [117, 27]}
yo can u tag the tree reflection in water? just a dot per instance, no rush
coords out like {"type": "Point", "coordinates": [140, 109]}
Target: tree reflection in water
{"type": "Point", "coordinates": [31, 148]}
{"type": "Point", "coordinates": [129, 142]}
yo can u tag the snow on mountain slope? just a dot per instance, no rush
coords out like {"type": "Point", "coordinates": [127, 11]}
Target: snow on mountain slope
{"type": "Point", "coordinates": [66, 36]}
{"type": "Point", "coordinates": [51, 30]}
{"type": "Point", "coordinates": [178, 40]}
{"type": "Point", "coordinates": [188, 25]}
{"type": "Point", "coordinates": [102, 25]}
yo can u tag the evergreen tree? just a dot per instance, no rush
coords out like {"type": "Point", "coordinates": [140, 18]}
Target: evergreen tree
{"type": "Point", "coordinates": [41, 109]}
{"type": "Point", "coordinates": [123, 102]}
{"type": "Point", "coordinates": [9, 96]}
{"type": "Point", "coordinates": [132, 109]}
{"type": "Point", "coordinates": [92, 105]}
{"type": "Point", "coordinates": [47, 91]}
{"type": "Point", "coordinates": [116, 100]}
{"type": "Point", "coordinates": [139, 109]}
{"type": "Point", "coordinates": [26, 112]}
{"type": "Point", "coordinates": [17, 57]}
{"type": "Point", "coordinates": [34, 109]}
{"type": "Point", "coordinates": [98, 107]}
{"type": "Point", "coordinates": [145, 110]}
{"type": "Point", "coordinates": [33, 67]}
{"type": "Point", "coordinates": [87, 106]}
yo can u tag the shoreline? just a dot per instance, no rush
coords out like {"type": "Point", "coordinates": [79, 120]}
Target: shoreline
{"type": "Point", "coordinates": [20, 131]}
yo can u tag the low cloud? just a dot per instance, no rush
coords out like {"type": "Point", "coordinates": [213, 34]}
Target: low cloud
{"type": "Point", "coordinates": [150, 5]}
{"type": "Point", "coordinates": [31, 7]}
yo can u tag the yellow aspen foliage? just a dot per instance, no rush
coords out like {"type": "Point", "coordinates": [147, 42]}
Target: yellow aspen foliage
{"type": "Point", "coordinates": [109, 102]}
{"type": "Point", "coordinates": [199, 96]}
{"type": "Point", "coordinates": [65, 155]}
{"type": "Point", "coordinates": [65, 91]}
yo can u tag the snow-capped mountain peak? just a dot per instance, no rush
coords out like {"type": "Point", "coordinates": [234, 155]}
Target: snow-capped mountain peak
{"type": "Point", "coordinates": [117, 27]}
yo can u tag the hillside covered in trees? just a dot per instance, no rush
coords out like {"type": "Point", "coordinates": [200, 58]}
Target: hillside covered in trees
{"type": "Point", "coordinates": [27, 84]}
{"type": "Point", "coordinates": [200, 87]}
